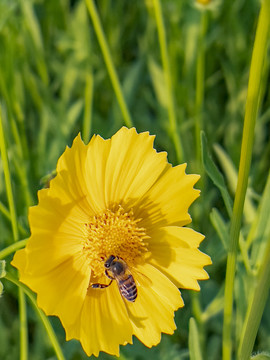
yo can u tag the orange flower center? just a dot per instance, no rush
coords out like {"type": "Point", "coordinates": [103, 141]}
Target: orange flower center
{"type": "Point", "coordinates": [114, 233]}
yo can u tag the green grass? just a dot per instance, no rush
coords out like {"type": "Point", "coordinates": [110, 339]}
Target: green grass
{"type": "Point", "coordinates": [184, 75]}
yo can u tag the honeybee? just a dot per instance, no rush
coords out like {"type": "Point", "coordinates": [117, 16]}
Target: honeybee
{"type": "Point", "coordinates": [117, 269]}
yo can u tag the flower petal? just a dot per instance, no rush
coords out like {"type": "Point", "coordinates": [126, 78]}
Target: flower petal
{"type": "Point", "coordinates": [95, 171]}
{"type": "Point", "coordinates": [153, 310]}
{"type": "Point", "coordinates": [167, 202]}
{"type": "Point", "coordinates": [53, 263]}
{"type": "Point", "coordinates": [133, 166]}
{"type": "Point", "coordinates": [104, 322]}
{"type": "Point", "coordinates": [62, 290]}
{"type": "Point", "coordinates": [69, 184]}
{"type": "Point", "coordinates": [57, 233]}
{"type": "Point", "coordinates": [174, 252]}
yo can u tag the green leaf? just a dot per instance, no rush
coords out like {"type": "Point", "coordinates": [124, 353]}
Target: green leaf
{"type": "Point", "coordinates": [215, 307]}
{"type": "Point", "coordinates": [214, 174]}
{"type": "Point", "coordinates": [221, 227]}
{"type": "Point", "coordinates": [231, 174]}
{"type": "Point", "coordinates": [2, 268]}
{"type": "Point", "coordinates": [193, 341]}
{"type": "Point", "coordinates": [261, 356]}
{"type": "Point", "coordinates": [2, 274]}
{"type": "Point", "coordinates": [158, 81]}
{"type": "Point", "coordinates": [260, 230]}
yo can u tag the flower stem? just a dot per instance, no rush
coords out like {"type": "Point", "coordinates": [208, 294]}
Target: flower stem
{"type": "Point", "coordinates": [256, 307]}
{"type": "Point", "coordinates": [10, 197]}
{"type": "Point", "coordinates": [200, 70]}
{"type": "Point", "coordinates": [168, 80]}
{"type": "Point", "coordinates": [88, 98]}
{"type": "Point", "coordinates": [19, 137]}
{"type": "Point", "coordinates": [15, 230]}
{"type": "Point", "coordinates": [23, 325]}
{"type": "Point", "coordinates": [252, 105]}
{"type": "Point", "coordinates": [108, 61]}
{"type": "Point", "coordinates": [12, 248]}
{"type": "Point", "coordinates": [43, 317]}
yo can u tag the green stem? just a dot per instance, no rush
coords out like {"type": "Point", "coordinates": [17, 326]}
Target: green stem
{"type": "Point", "coordinates": [88, 98]}
{"type": "Point", "coordinates": [19, 137]}
{"type": "Point", "coordinates": [252, 105]}
{"type": "Point", "coordinates": [10, 197]}
{"type": "Point", "coordinates": [108, 61]}
{"type": "Point", "coordinates": [43, 317]}
{"type": "Point", "coordinates": [6, 213]}
{"type": "Point", "coordinates": [200, 70]}
{"type": "Point", "coordinates": [14, 223]}
{"type": "Point", "coordinates": [255, 308]}
{"type": "Point", "coordinates": [198, 315]}
{"type": "Point", "coordinates": [23, 325]}
{"type": "Point", "coordinates": [168, 79]}
{"type": "Point", "coordinates": [22, 175]}
{"type": "Point", "coordinates": [12, 248]}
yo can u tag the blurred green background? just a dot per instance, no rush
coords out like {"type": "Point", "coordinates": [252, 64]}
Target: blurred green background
{"type": "Point", "coordinates": [54, 83]}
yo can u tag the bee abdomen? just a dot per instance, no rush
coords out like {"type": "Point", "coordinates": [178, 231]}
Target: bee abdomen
{"type": "Point", "coordinates": [128, 288]}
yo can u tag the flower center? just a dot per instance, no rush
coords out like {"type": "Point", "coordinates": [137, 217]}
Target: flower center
{"type": "Point", "coordinates": [114, 233]}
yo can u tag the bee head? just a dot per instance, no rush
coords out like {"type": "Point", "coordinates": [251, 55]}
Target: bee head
{"type": "Point", "coordinates": [109, 261]}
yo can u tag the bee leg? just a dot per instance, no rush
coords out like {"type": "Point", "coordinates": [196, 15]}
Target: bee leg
{"type": "Point", "coordinates": [100, 286]}
{"type": "Point", "coordinates": [109, 276]}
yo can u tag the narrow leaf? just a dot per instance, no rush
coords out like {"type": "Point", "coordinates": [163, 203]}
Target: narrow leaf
{"type": "Point", "coordinates": [214, 174]}
{"type": "Point", "coordinates": [193, 341]}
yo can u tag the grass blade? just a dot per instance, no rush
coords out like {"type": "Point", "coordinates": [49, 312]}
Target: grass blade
{"type": "Point", "coordinates": [108, 61]}
{"type": "Point", "coordinates": [252, 106]}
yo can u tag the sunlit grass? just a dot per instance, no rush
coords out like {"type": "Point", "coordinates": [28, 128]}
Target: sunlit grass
{"type": "Point", "coordinates": [176, 70]}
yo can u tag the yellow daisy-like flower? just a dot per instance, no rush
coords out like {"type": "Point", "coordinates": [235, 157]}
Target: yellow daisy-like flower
{"type": "Point", "coordinates": [203, 2]}
{"type": "Point", "coordinates": [108, 250]}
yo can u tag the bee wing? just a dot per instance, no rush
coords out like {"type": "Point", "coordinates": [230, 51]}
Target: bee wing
{"type": "Point", "coordinates": [140, 278]}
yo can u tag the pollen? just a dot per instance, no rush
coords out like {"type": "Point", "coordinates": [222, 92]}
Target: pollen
{"type": "Point", "coordinates": [114, 233]}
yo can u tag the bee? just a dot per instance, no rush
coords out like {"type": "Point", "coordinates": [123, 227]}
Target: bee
{"type": "Point", "coordinates": [117, 269]}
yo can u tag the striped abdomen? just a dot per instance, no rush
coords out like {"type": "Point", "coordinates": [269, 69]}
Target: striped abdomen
{"type": "Point", "coordinates": [128, 288]}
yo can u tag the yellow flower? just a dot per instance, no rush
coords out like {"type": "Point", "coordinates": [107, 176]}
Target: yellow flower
{"type": "Point", "coordinates": [115, 199]}
{"type": "Point", "coordinates": [203, 2]}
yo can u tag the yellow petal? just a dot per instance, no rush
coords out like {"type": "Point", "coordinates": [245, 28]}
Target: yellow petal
{"type": "Point", "coordinates": [133, 166]}
{"type": "Point", "coordinates": [69, 184]}
{"type": "Point", "coordinates": [167, 202]}
{"type": "Point", "coordinates": [57, 233]}
{"type": "Point", "coordinates": [62, 290]}
{"type": "Point", "coordinates": [153, 310]}
{"type": "Point", "coordinates": [103, 324]}
{"type": "Point", "coordinates": [95, 171]}
{"type": "Point", "coordinates": [174, 251]}
{"type": "Point", "coordinates": [19, 260]}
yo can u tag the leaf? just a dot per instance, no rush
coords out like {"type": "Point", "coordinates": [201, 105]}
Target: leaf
{"type": "Point", "coordinates": [193, 341]}
{"type": "Point", "coordinates": [2, 274]}
{"type": "Point", "coordinates": [231, 175]}
{"type": "Point", "coordinates": [221, 227]}
{"type": "Point", "coordinates": [2, 268]}
{"type": "Point", "coordinates": [260, 230]}
{"type": "Point", "coordinates": [261, 356]}
{"type": "Point", "coordinates": [158, 80]}
{"type": "Point", "coordinates": [214, 174]}
{"type": "Point", "coordinates": [215, 307]}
